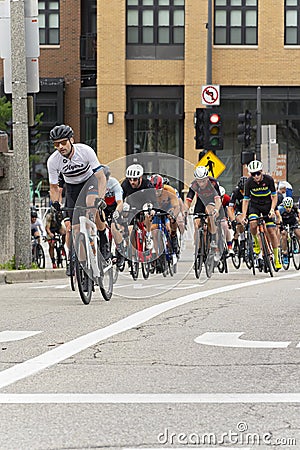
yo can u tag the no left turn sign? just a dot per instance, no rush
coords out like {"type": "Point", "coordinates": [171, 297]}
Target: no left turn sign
{"type": "Point", "coordinates": [211, 95]}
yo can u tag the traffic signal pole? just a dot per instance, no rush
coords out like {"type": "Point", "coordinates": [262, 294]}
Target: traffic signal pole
{"type": "Point", "coordinates": [209, 44]}
{"type": "Point", "coordinates": [20, 133]}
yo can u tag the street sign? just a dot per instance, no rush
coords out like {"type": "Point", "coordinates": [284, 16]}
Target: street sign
{"type": "Point", "coordinates": [210, 95]}
{"type": "Point", "coordinates": [213, 164]}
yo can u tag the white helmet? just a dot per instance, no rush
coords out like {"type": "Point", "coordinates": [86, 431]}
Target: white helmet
{"type": "Point", "coordinates": [200, 172]}
{"type": "Point", "coordinates": [134, 171]}
{"type": "Point", "coordinates": [255, 166]}
{"type": "Point", "coordinates": [222, 190]}
{"type": "Point", "coordinates": [288, 202]}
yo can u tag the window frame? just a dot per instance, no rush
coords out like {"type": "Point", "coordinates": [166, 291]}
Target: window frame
{"type": "Point", "coordinates": [292, 8]}
{"type": "Point", "coordinates": [46, 12]}
{"type": "Point", "coordinates": [229, 8]}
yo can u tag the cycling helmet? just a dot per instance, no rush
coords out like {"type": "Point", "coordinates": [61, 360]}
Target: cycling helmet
{"type": "Point", "coordinates": [201, 172]}
{"type": "Point", "coordinates": [134, 171]}
{"type": "Point", "coordinates": [222, 190]}
{"type": "Point", "coordinates": [61, 132]}
{"type": "Point", "coordinates": [288, 202]}
{"type": "Point", "coordinates": [106, 171]}
{"type": "Point", "coordinates": [242, 182]}
{"type": "Point", "coordinates": [255, 166]}
{"type": "Point", "coordinates": [157, 181]}
{"type": "Point", "coordinates": [33, 214]}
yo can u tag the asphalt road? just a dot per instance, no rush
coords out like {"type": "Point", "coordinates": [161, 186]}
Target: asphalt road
{"type": "Point", "coordinates": [167, 363]}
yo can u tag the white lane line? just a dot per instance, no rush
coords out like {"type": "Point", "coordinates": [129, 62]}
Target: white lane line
{"type": "Point", "coordinates": [220, 398]}
{"type": "Point", "coordinates": [233, 340]}
{"type": "Point", "coordinates": [9, 335]}
{"type": "Point", "coordinates": [58, 354]}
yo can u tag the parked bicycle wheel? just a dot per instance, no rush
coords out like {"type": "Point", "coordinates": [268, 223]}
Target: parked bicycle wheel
{"type": "Point", "coordinates": [83, 274]}
{"type": "Point", "coordinates": [105, 280]}
{"type": "Point", "coordinates": [295, 250]}
{"type": "Point", "coordinates": [39, 256]}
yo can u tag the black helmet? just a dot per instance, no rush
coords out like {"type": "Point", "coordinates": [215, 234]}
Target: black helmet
{"type": "Point", "coordinates": [61, 132]}
{"type": "Point", "coordinates": [242, 182]}
{"type": "Point", "coordinates": [33, 214]}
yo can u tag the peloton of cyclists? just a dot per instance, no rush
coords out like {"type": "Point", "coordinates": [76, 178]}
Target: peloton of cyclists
{"type": "Point", "coordinates": [260, 198]}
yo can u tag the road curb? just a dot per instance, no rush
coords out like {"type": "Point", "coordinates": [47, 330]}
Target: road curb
{"type": "Point", "coordinates": [27, 276]}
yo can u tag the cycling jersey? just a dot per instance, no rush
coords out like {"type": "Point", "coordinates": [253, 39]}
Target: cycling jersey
{"type": "Point", "coordinates": [236, 200]}
{"type": "Point", "coordinates": [168, 198]}
{"type": "Point", "coordinates": [288, 217]}
{"type": "Point", "coordinates": [114, 192]}
{"type": "Point", "coordinates": [205, 195]}
{"type": "Point", "coordinates": [136, 197]}
{"type": "Point", "coordinates": [78, 169]}
{"type": "Point", "coordinates": [259, 193]}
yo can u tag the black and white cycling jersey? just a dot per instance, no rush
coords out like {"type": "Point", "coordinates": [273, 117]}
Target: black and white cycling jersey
{"type": "Point", "coordinates": [78, 169]}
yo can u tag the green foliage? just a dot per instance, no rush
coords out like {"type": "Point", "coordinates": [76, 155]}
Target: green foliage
{"type": "Point", "coordinates": [5, 112]}
{"type": "Point", "coordinates": [11, 265]}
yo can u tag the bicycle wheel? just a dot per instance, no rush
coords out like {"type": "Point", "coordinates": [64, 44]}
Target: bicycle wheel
{"type": "Point", "coordinates": [284, 257]}
{"type": "Point", "coordinates": [83, 274]}
{"type": "Point", "coordinates": [40, 256]}
{"type": "Point", "coordinates": [295, 249]}
{"type": "Point", "coordinates": [249, 254]}
{"type": "Point", "coordinates": [266, 256]}
{"type": "Point", "coordinates": [199, 254]}
{"type": "Point", "coordinates": [59, 260]}
{"type": "Point", "coordinates": [105, 280]}
{"type": "Point", "coordinates": [236, 257]}
{"type": "Point", "coordinates": [222, 264]}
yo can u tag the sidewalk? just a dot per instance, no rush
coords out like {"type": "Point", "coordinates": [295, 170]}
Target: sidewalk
{"type": "Point", "coordinates": [31, 275]}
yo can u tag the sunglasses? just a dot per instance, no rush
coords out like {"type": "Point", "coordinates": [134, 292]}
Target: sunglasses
{"type": "Point", "coordinates": [133, 179]}
{"type": "Point", "coordinates": [255, 174]}
{"type": "Point", "coordinates": [63, 143]}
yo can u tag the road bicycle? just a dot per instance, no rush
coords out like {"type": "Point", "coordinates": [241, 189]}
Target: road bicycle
{"type": "Point", "coordinates": [292, 251]}
{"type": "Point", "coordinates": [166, 259]}
{"type": "Point", "coordinates": [59, 250]}
{"type": "Point", "coordinates": [202, 254]}
{"type": "Point", "coordinates": [90, 266]}
{"type": "Point", "coordinates": [37, 251]}
{"type": "Point", "coordinates": [137, 253]}
{"type": "Point", "coordinates": [266, 262]}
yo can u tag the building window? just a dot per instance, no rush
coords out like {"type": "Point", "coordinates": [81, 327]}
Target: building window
{"type": "Point", "coordinates": [235, 22]}
{"type": "Point", "coordinates": [49, 22]}
{"type": "Point", "coordinates": [155, 23]}
{"type": "Point", "coordinates": [291, 20]}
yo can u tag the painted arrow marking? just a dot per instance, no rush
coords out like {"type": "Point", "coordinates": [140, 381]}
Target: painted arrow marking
{"type": "Point", "coordinates": [7, 336]}
{"type": "Point", "coordinates": [233, 340]}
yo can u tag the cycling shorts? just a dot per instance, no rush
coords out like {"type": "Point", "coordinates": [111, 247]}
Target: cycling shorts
{"type": "Point", "coordinates": [76, 194]}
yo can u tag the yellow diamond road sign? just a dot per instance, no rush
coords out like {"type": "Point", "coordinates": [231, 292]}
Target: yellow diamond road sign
{"type": "Point", "coordinates": [213, 164]}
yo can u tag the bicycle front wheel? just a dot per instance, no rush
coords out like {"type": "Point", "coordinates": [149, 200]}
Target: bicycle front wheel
{"type": "Point", "coordinates": [199, 254]}
{"type": "Point", "coordinates": [83, 274]}
{"type": "Point", "coordinates": [106, 279]}
{"type": "Point", "coordinates": [295, 248]}
{"type": "Point", "coordinates": [266, 255]}
{"type": "Point", "coordinates": [40, 256]}
{"type": "Point", "coordinates": [236, 257]}
{"type": "Point", "coordinates": [285, 257]}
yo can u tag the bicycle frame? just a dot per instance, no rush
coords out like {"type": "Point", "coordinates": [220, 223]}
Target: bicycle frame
{"type": "Point", "coordinates": [91, 242]}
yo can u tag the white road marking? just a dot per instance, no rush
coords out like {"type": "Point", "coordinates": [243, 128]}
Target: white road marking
{"type": "Point", "coordinates": [233, 340]}
{"type": "Point", "coordinates": [59, 286]}
{"type": "Point", "coordinates": [219, 398]}
{"type": "Point", "coordinates": [64, 351]}
{"type": "Point", "coordinates": [8, 335]}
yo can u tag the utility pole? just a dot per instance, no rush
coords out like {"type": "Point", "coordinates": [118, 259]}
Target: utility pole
{"type": "Point", "coordinates": [258, 123]}
{"type": "Point", "coordinates": [209, 44]}
{"type": "Point", "coordinates": [20, 132]}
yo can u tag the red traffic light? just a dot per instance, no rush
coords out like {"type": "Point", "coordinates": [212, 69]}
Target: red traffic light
{"type": "Point", "coordinates": [214, 118]}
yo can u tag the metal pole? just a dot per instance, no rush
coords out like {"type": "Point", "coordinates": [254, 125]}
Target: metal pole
{"type": "Point", "coordinates": [20, 131]}
{"type": "Point", "coordinates": [209, 44]}
{"type": "Point", "coordinates": [258, 123]}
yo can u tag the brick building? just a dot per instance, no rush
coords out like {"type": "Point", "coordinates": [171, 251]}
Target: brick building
{"type": "Point", "coordinates": [148, 65]}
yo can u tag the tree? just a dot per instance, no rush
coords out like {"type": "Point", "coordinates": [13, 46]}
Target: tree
{"type": "Point", "coordinates": [5, 112]}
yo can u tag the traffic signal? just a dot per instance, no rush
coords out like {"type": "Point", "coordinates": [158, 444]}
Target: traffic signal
{"type": "Point", "coordinates": [244, 128]}
{"type": "Point", "coordinates": [214, 139]}
{"type": "Point", "coordinates": [200, 127]}
{"type": "Point", "coordinates": [33, 135]}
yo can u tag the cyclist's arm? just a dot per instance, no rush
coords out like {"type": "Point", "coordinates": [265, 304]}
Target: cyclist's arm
{"type": "Point", "coordinates": [101, 182]}
{"type": "Point", "coordinates": [55, 194]}
{"type": "Point", "coordinates": [245, 207]}
{"type": "Point", "coordinates": [274, 202]}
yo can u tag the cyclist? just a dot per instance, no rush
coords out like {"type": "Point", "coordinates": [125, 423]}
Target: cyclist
{"type": "Point", "coordinates": [137, 191]}
{"type": "Point", "coordinates": [290, 216]}
{"type": "Point", "coordinates": [234, 211]}
{"type": "Point", "coordinates": [208, 200]}
{"type": "Point", "coordinates": [114, 201]}
{"type": "Point", "coordinates": [54, 223]}
{"type": "Point", "coordinates": [167, 201]}
{"type": "Point", "coordinates": [83, 175]}
{"type": "Point", "coordinates": [37, 226]}
{"type": "Point", "coordinates": [224, 222]}
{"type": "Point", "coordinates": [260, 195]}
